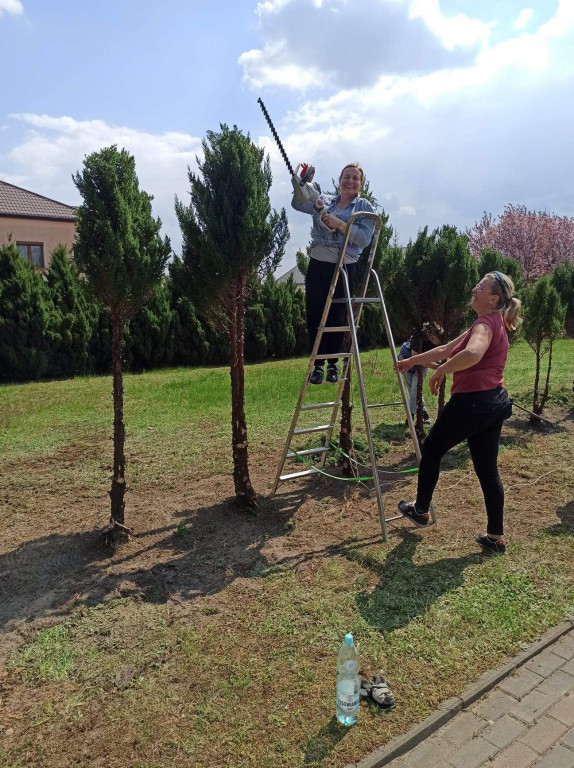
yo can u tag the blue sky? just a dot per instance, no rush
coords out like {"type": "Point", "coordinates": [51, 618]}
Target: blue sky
{"type": "Point", "coordinates": [452, 107]}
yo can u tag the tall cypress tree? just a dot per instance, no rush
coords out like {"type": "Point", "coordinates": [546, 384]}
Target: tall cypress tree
{"type": "Point", "coordinates": [120, 251]}
{"type": "Point", "coordinates": [231, 235]}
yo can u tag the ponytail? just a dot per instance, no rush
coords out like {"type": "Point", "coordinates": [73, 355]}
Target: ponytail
{"type": "Point", "coordinates": [509, 305]}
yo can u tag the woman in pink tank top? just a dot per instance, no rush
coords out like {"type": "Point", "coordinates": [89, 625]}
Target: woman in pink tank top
{"type": "Point", "coordinates": [478, 405]}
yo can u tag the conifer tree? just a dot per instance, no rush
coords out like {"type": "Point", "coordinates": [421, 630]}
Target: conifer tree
{"type": "Point", "coordinates": [77, 315]}
{"type": "Point", "coordinates": [544, 316]}
{"type": "Point", "coordinates": [231, 235]}
{"type": "Point", "coordinates": [119, 250]}
{"type": "Point", "coordinates": [28, 319]}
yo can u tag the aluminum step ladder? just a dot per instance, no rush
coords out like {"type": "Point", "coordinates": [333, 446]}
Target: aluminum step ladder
{"type": "Point", "coordinates": [354, 310]}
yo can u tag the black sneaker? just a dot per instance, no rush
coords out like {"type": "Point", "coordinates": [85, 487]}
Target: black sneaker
{"type": "Point", "coordinates": [316, 376]}
{"type": "Point", "coordinates": [426, 418]}
{"type": "Point", "coordinates": [408, 508]}
{"type": "Point", "coordinates": [332, 374]}
{"type": "Point", "coordinates": [497, 547]}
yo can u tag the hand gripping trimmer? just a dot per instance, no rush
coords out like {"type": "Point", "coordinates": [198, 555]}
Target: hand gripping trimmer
{"type": "Point", "coordinates": [306, 190]}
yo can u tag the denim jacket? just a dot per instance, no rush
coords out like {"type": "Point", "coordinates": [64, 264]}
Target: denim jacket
{"type": "Point", "coordinates": [327, 244]}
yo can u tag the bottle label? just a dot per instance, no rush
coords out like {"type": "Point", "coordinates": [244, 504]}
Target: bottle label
{"type": "Point", "coordinates": [347, 699]}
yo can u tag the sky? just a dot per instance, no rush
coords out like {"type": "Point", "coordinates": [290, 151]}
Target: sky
{"type": "Point", "coordinates": [452, 107]}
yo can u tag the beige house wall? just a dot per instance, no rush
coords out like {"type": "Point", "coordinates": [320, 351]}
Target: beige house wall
{"type": "Point", "coordinates": [48, 233]}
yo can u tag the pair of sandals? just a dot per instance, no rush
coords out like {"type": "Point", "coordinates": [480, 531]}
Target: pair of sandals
{"type": "Point", "coordinates": [377, 691]}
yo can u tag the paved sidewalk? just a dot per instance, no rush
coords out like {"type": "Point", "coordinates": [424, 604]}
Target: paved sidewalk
{"type": "Point", "coordinates": [525, 721]}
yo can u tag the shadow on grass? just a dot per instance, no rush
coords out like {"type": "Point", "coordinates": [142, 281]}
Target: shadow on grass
{"type": "Point", "coordinates": [566, 525]}
{"type": "Point", "coordinates": [324, 742]}
{"type": "Point", "coordinates": [207, 550]}
{"type": "Point", "coordinates": [406, 589]}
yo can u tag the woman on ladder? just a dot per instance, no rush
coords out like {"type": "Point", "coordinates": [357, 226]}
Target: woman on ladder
{"type": "Point", "coordinates": [478, 405]}
{"type": "Point", "coordinates": [325, 247]}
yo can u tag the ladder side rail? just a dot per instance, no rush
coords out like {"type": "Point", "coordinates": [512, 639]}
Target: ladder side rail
{"type": "Point", "coordinates": [400, 379]}
{"type": "Point", "coordinates": [366, 416]}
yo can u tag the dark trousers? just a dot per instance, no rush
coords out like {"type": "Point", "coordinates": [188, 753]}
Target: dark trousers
{"type": "Point", "coordinates": [317, 283]}
{"type": "Point", "coordinates": [477, 418]}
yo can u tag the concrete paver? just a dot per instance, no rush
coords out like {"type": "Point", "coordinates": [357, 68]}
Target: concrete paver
{"type": "Point", "coordinates": [543, 734]}
{"type": "Point", "coordinates": [526, 721]}
{"type": "Point", "coordinates": [516, 756]}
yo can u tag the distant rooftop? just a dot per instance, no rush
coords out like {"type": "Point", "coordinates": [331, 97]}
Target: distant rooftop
{"type": "Point", "coordinates": [295, 273]}
{"type": "Point", "coordinates": [18, 202]}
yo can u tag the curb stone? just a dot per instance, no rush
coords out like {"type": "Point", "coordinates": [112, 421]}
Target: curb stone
{"type": "Point", "coordinates": [448, 709]}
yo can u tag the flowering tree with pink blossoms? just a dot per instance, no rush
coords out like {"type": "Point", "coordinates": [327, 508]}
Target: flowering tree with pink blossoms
{"type": "Point", "coordinates": [537, 240]}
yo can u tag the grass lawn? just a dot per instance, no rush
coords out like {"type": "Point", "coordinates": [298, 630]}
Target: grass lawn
{"type": "Point", "coordinates": [211, 638]}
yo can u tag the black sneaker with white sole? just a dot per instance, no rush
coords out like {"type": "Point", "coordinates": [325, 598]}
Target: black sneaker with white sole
{"type": "Point", "coordinates": [316, 375]}
{"type": "Point", "coordinates": [495, 546]}
{"type": "Point", "coordinates": [332, 374]}
{"type": "Point", "coordinates": [409, 509]}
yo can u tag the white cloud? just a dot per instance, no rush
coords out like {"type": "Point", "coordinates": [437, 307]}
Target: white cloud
{"type": "Point", "coordinates": [523, 18]}
{"type": "Point", "coordinates": [318, 44]}
{"type": "Point", "coordinates": [14, 7]}
{"type": "Point", "coordinates": [453, 31]}
{"type": "Point", "coordinates": [54, 148]}
{"type": "Point", "coordinates": [440, 147]}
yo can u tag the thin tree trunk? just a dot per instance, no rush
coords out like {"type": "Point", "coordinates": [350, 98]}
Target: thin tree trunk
{"type": "Point", "coordinates": [244, 491]}
{"type": "Point", "coordinates": [118, 531]}
{"type": "Point", "coordinates": [345, 435]}
{"type": "Point", "coordinates": [419, 424]}
{"type": "Point", "coordinates": [535, 403]}
{"type": "Point", "coordinates": [546, 393]}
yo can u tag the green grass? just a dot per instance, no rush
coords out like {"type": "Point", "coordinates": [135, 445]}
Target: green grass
{"type": "Point", "coordinates": [243, 676]}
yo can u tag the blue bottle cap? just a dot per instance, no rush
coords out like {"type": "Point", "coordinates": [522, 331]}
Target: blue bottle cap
{"type": "Point", "coordinates": [349, 639]}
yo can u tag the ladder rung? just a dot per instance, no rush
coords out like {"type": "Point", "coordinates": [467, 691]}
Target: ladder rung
{"type": "Point", "coordinates": [313, 429]}
{"type": "Point", "coordinates": [298, 474]}
{"type": "Point", "coordinates": [366, 301]}
{"type": "Point", "coordinates": [390, 519]}
{"type": "Point", "coordinates": [336, 355]}
{"type": "Point", "coordinates": [357, 300]}
{"type": "Point", "coordinates": [336, 329]}
{"type": "Point", "coordinates": [312, 406]}
{"type": "Point", "coordinates": [306, 452]}
{"type": "Point", "coordinates": [383, 405]}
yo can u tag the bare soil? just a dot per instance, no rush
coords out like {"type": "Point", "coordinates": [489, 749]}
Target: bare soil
{"type": "Point", "coordinates": [192, 540]}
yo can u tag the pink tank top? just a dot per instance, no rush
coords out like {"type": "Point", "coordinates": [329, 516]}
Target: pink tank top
{"type": "Point", "coordinates": [488, 372]}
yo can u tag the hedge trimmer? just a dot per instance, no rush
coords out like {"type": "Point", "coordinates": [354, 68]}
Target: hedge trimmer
{"type": "Point", "coordinates": [306, 190]}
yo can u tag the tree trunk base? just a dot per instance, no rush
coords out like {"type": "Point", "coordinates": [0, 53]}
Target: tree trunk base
{"type": "Point", "coordinates": [116, 534]}
{"type": "Point", "coordinates": [248, 503]}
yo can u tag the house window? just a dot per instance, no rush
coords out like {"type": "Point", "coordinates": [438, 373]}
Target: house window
{"type": "Point", "coordinates": [34, 252]}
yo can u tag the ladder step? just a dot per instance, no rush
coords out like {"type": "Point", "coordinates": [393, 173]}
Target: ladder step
{"type": "Point", "coordinates": [336, 329]}
{"type": "Point", "coordinates": [366, 301]}
{"type": "Point", "coordinates": [305, 430]}
{"type": "Point", "coordinates": [357, 300]}
{"type": "Point", "coordinates": [390, 519]}
{"type": "Point", "coordinates": [312, 406]}
{"type": "Point", "coordinates": [336, 355]}
{"type": "Point", "coordinates": [383, 405]}
{"type": "Point", "coordinates": [306, 452]}
{"type": "Point", "coordinates": [298, 474]}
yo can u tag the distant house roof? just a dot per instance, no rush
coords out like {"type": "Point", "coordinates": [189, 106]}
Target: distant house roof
{"type": "Point", "coordinates": [294, 272]}
{"type": "Point", "coordinates": [20, 203]}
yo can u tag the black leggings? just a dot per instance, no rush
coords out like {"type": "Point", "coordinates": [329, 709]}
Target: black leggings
{"type": "Point", "coordinates": [477, 418]}
{"type": "Point", "coordinates": [317, 283]}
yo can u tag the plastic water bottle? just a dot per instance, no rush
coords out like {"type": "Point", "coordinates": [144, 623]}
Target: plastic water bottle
{"type": "Point", "coordinates": [348, 683]}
